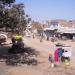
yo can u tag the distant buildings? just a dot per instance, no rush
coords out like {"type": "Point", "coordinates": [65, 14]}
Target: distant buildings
{"type": "Point", "coordinates": [62, 27]}
{"type": "Point", "coordinates": [63, 23]}
{"type": "Point", "coordinates": [55, 27]}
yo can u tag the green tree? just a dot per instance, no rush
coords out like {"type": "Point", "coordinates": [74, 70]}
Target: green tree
{"type": "Point", "coordinates": [17, 14]}
{"type": "Point", "coordinates": [6, 2]}
{"type": "Point", "coordinates": [13, 17]}
{"type": "Point", "coordinates": [3, 6]}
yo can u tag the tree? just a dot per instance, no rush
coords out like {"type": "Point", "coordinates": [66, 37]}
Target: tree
{"type": "Point", "coordinates": [17, 14]}
{"type": "Point", "coordinates": [36, 25]}
{"type": "Point", "coordinates": [13, 17]}
{"type": "Point", "coordinates": [5, 2]}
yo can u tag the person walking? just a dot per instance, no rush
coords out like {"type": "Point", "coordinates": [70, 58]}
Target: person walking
{"type": "Point", "coordinates": [60, 51]}
{"type": "Point", "coordinates": [51, 58]}
{"type": "Point", "coordinates": [56, 56]}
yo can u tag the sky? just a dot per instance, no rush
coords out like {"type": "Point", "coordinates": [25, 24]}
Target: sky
{"type": "Point", "coordinates": [41, 10]}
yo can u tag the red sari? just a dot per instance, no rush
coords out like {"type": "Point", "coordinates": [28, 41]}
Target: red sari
{"type": "Point", "coordinates": [56, 56]}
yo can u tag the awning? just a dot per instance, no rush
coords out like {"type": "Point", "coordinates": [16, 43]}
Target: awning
{"type": "Point", "coordinates": [66, 30]}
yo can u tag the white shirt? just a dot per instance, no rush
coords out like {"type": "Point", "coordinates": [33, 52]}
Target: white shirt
{"type": "Point", "coordinates": [67, 54]}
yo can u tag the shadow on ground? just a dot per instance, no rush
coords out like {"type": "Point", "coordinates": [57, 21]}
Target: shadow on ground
{"type": "Point", "coordinates": [26, 56]}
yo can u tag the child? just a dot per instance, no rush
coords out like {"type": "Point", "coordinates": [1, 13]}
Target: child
{"type": "Point", "coordinates": [51, 58]}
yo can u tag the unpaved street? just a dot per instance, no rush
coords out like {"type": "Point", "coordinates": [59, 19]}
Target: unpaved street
{"type": "Point", "coordinates": [42, 68]}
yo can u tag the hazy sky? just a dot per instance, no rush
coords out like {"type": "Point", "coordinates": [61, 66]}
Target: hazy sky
{"type": "Point", "coordinates": [49, 9]}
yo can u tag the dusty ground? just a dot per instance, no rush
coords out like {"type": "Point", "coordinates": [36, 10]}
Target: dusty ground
{"type": "Point", "coordinates": [43, 66]}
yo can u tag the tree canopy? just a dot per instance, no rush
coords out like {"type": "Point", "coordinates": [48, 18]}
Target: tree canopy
{"type": "Point", "coordinates": [37, 25]}
{"type": "Point", "coordinates": [14, 16]}
{"type": "Point", "coordinates": [7, 1]}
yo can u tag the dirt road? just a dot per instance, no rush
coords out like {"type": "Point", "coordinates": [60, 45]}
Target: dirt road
{"type": "Point", "coordinates": [43, 68]}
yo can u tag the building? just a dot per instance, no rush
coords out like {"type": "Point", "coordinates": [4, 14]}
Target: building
{"type": "Point", "coordinates": [62, 27]}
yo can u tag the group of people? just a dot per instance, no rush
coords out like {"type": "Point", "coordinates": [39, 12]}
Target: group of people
{"type": "Point", "coordinates": [59, 55]}
{"type": "Point", "coordinates": [17, 43]}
